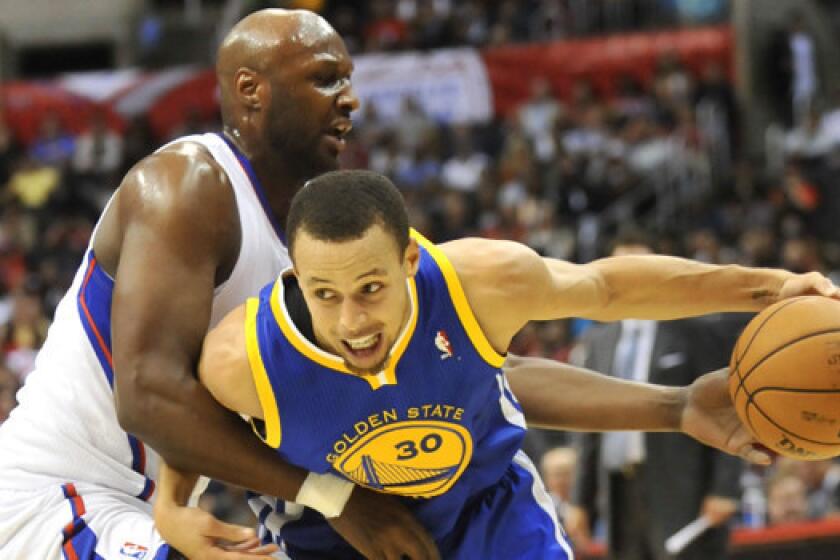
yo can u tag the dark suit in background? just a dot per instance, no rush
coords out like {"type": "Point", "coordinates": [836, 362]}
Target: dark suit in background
{"type": "Point", "coordinates": [643, 504]}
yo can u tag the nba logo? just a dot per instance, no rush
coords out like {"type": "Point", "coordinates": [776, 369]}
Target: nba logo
{"type": "Point", "coordinates": [442, 343]}
{"type": "Point", "coordinates": [131, 550]}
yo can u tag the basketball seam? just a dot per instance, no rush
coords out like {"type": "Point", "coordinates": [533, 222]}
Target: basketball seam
{"type": "Point", "coordinates": [739, 359]}
{"type": "Point", "coordinates": [790, 432]}
{"type": "Point", "coordinates": [794, 390]}
{"type": "Point", "coordinates": [776, 351]}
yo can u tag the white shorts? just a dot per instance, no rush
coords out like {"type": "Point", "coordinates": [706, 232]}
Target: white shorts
{"type": "Point", "coordinates": [77, 522]}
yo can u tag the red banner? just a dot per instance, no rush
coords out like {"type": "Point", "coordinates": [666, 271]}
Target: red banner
{"type": "Point", "coordinates": [600, 60]}
{"type": "Point", "coordinates": [170, 96]}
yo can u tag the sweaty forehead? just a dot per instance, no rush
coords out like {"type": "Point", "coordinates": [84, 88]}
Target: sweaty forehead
{"type": "Point", "coordinates": [336, 259]}
{"type": "Point", "coordinates": [274, 36]}
{"type": "Point", "coordinates": [309, 32]}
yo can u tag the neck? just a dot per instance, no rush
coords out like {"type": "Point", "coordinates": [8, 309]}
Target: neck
{"type": "Point", "coordinates": [278, 180]}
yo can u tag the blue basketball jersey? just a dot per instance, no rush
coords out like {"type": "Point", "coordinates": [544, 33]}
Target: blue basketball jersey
{"type": "Point", "coordinates": [438, 428]}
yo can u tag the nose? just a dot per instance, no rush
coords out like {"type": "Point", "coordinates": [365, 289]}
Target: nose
{"type": "Point", "coordinates": [347, 100]}
{"type": "Point", "coordinates": [352, 318]}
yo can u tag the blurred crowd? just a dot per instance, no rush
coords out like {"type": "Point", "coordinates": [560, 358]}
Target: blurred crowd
{"type": "Point", "coordinates": [390, 25]}
{"type": "Point", "coordinates": [561, 175]}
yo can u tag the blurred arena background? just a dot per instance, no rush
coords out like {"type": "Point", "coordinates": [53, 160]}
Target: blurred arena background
{"type": "Point", "coordinates": [714, 125]}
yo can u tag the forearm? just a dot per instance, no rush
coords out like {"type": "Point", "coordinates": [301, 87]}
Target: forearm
{"type": "Point", "coordinates": [174, 487]}
{"type": "Point", "coordinates": [661, 287]}
{"type": "Point", "coordinates": [195, 434]}
{"type": "Point", "coordinates": [559, 396]}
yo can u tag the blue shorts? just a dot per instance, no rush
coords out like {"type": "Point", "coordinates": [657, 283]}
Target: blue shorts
{"type": "Point", "coordinates": [514, 519]}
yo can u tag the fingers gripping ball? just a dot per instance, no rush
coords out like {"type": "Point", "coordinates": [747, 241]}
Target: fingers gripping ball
{"type": "Point", "coordinates": [784, 377]}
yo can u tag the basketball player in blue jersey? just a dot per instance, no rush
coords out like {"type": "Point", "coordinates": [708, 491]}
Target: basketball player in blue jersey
{"type": "Point", "coordinates": [191, 232]}
{"type": "Point", "coordinates": [375, 364]}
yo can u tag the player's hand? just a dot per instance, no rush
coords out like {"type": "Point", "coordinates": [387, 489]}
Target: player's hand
{"type": "Point", "coordinates": [809, 284]}
{"type": "Point", "coordinates": [381, 528]}
{"type": "Point", "coordinates": [718, 509]}
{"type": "Point", "coordinates": [709, 417]}
{"type": "Point", "coordinates": [198, 535]}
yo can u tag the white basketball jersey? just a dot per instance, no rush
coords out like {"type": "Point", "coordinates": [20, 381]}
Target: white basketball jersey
{"type": "Point", "coordinates": [65, 427]}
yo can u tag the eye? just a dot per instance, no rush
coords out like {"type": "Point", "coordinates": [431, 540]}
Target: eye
{"type": "Point", "coordinates": [324, 294]}
{"type": "Point", "coordinates": [326, 79]}
{"type": "Point", "coordinates": [372, 287]}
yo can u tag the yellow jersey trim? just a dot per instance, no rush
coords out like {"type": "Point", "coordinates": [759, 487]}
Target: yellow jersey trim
{"type": "Point", "coordinates": [265, 392]}
{"type": "Point", "coordinates": [462, 306]}
{"type": "Point", "coordinates": [323, 358]}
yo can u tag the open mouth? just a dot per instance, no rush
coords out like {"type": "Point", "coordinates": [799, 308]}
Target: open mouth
{"type": "Point", "coordinates": [337, 133]}
{"type": "Point", "coordinates": [363, 347]}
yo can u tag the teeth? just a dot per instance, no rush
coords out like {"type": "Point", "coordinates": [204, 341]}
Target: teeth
{"type": "Point", "coordinates": [342, 129]}
{"type": "Point", "coordinates": [363, 343]}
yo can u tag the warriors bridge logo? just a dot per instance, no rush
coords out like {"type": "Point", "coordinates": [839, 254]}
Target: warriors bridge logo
{"type": "Point", "coordinates": [419, 458]}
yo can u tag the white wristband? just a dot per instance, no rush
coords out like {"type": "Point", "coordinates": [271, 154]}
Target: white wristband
{"type": "Point", "coordinates": [325, 493]}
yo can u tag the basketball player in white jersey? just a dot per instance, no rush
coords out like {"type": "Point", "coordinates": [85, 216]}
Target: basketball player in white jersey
{"type": "Point", "coordinates": [192, 231]}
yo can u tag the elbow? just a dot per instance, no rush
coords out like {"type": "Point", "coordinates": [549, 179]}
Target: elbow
{"type": "Point", "coordinates": [130, 408]}
{"type": "Point", "coordinates": [142, 399]}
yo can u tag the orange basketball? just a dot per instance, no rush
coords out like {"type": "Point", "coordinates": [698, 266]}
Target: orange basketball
{"type": "Point", "coordinates": [784, 377]}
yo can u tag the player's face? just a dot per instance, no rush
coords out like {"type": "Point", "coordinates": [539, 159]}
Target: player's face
{"type": "Point", "coordinates": [312, 100]}
{"type": "Point", "coordinates": [357, 294]}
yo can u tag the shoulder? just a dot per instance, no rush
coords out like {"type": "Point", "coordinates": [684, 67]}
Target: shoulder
{"type": "Point", "coordinates": [506, 262]}
{"type": "Point", "coordinates": [181, 194]}
{"type": "Point", "coordinates": [181, 178]}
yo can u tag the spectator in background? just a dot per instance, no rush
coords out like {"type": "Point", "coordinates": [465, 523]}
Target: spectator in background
{"type": "Point", "coordinates": [645, 503]}
{"type": "Point", "coordinates": [822, 482]}
{"type": "Point", "coordinates": [462, 172]}
{"type": "Point", "coordinates": [8, 149]}
{"type": "Point", "coordinates": [809, 140]}
{"type": "Point", "coordinates": [471, 23]}
{"type": "Point", "coordinates": [99, 152]}
{"type": "Point", "coordinates": [805, 81]}
{"type": "Point", "coordinates": [137, 143]}
{"type": "Point", "coordinates": [23, 335]}
{"type": "Point", "coordinates": [557, 467]}
{"type": "Point", "coordinates": [431, 27]}
{"type": "Point", "coordinates": [717, 111]}
{"type": "Point", "coordinates": [33, 184]}
{"type": "Point", "coordinates": [538, 117]}
{"type": "Point", "coordinates": [792, 71]}
{"type": "Point", "coordinates": [54, 146]}
{"type": "Point", "coordinates": [415, 126]}
{"type": "Point", "coordinates": [787, 498]}
{"type": "Point", "coordinates": [8, 388]}
{"type": "Point", "coordinates": [385, 31]}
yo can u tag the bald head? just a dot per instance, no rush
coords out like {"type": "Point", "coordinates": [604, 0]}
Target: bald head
{"type": "Point", "coordinates": [285, 92]}
{"type": "Point", "coordinates": [258, 39]}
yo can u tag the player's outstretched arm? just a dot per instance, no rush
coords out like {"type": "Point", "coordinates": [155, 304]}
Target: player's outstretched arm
{"type": "Point", "coordinates": [555, 395]}
{"type": "Point", "coordinates": [510, 276]}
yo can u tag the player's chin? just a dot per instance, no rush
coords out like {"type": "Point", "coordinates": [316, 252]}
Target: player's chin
{"type": "Point", "coordinates": [368, 365]}
{"type": "Point", "coordinates": [327, 162]}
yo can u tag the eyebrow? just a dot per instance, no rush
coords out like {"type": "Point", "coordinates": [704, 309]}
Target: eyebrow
{"type": "Point", "coordinates": [330, 60]}
{"type": "Point", "coordinates": [372, 272]}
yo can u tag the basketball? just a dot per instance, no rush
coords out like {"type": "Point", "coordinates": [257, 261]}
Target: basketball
{"type": "Point", "coordinates": [784, 377]}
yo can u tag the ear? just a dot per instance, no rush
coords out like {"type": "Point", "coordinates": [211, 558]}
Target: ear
{"type": "Point", "coordinates": [411, 262]}
{"type": "Point", "coordinates": [250, 88]}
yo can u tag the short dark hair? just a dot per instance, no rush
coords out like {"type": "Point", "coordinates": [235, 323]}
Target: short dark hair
{"type": "Point", "coordinates": [343, 205]}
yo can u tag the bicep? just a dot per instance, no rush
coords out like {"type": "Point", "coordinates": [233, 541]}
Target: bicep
{"type": "Point", "coordinates": [513, 277]}
{"type": "Point", "coordinates": [170, 248]}
{"type": "Point", "coordinates": [162, 300]}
